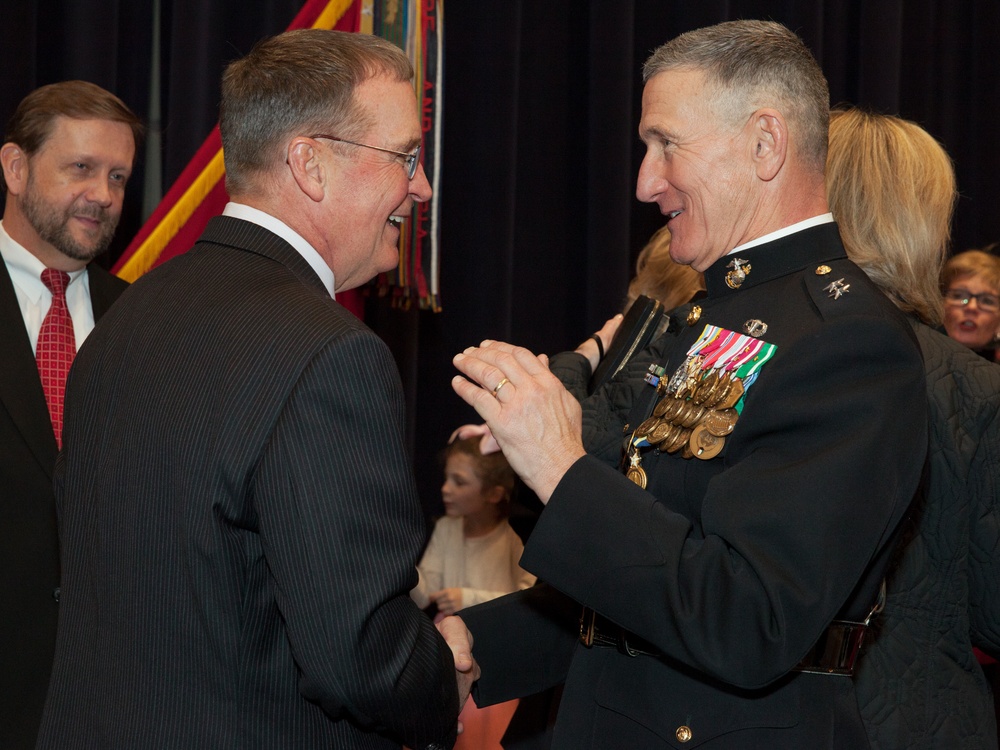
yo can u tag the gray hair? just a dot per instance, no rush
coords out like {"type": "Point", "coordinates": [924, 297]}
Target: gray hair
{"type": "Point", "coordinates": [756, 64]}
{"type": "Point", "coordinates": [297, 83]}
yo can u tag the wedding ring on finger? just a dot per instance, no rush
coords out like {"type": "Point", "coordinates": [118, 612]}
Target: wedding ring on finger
{"type": "Point", "coordinates": [498, 386]}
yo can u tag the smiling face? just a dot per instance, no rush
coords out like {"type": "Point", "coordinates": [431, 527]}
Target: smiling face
{"type": "Point", "coordinates": [371, 191]}
{"type": "Point", "coordinates": [969, 324]}
{"type": "Point", "coordinates": [67, 196]}
{"type": "Point", "coordinates": [697, 168]}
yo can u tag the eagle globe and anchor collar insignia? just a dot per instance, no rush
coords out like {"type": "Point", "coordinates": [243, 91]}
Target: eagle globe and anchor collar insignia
{"type": "Point", "coordinates": [740, 269]}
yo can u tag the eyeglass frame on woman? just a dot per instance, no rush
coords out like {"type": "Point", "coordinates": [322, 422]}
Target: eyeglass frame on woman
{"type": "Point", "coordinates": [962, 297]}
{"type": "Point", "coordinates": [412, 159]}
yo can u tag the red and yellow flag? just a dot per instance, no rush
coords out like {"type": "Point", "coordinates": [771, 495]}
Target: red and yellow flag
{"type": "Point", "coordinates": [200, 191]}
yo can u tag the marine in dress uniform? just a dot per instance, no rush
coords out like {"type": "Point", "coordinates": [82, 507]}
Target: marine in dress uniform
{"type": "Point", "coordinates": [723, 510]}
{"type": "Point", "coordinates": [715, 584]}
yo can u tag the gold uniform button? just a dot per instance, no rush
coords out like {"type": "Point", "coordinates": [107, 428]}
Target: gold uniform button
{"type": "Point", "coordinates": [683, 734]}
{"type": "Point", "coordinates": [823, 270]}
{"type": "Point", "coordinates": [694, 315]}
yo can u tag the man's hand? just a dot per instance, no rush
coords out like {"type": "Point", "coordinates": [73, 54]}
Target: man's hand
{"type": "Point", "coordinates": [535, 420]}
{"type": "Point", "coordinates": [448, 601]}
{"type": "Point", "coordinates": [459, 640]}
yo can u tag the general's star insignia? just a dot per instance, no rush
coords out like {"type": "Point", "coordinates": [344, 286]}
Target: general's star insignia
{"type": "Point", "coordinates": [837, 289]}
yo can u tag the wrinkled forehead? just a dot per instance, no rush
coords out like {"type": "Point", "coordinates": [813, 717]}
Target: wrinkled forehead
{"type": "Point", "coordinates": [678, 98]}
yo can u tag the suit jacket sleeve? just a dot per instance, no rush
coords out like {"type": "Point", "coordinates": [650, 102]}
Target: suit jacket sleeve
{"type": "Point", "coordinates": [524, 642]}
{"type": "Point", "coordinates": [830, 442]}
{"type": "Point", "coordinates": [342, 529]}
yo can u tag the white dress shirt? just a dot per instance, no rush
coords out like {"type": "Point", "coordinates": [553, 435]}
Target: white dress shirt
{"type": "Point", "coordinates": [289, 235]}
{"type": "Point", "coordinates": [34, 297]}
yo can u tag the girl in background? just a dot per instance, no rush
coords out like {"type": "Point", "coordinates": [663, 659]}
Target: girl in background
{"type": "Point", "coordinates": [472, 557]}
{"type": "Point", "coordinates": [473, 554]}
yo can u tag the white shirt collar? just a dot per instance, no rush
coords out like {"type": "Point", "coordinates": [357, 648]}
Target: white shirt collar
{"type": "Point", "coordinates": [289, 235]}
{"type": "Point", "coordinates": [25, 268]}
{"type": "Point", "coordinates": [815, 221]}
{"type": "Point", "coordinates": [34, 299]}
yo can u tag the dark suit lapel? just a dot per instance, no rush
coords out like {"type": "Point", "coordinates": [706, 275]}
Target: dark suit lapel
{"type": "Point", "coordinates": [245, 235]}
{"type": "Point", "coordinates": [20, 387]}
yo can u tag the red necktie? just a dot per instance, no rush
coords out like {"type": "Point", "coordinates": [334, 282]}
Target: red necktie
{"type": "Point", "coordinates": [56, 348]}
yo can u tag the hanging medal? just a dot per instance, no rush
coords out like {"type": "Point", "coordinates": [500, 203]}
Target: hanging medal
{"type": "Point", "coordinates": [701, 402]}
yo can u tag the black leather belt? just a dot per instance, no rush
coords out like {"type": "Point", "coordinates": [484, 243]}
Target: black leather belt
{"type": "Point", "coordinates": [599, 631]}
{"type": "Point", "coordinates": [835, 653]}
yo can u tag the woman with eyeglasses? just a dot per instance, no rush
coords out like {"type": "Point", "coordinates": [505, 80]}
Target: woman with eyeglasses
{"type": "Point", "coordinates": [971, 285]}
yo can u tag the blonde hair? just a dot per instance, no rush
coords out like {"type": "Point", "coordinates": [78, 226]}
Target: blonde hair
{"type": "Point", "coordinates": [891, 187]}
{"type": "Point", "coordinates": [971, 263]}
{"type": "Point", "coordinates": [659, 277]}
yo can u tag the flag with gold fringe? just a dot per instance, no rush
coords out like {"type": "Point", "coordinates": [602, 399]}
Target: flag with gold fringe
{"type": "Point", "coordinates": [199, 193]}
{"type": "Point", "coordinates": [417, 26]}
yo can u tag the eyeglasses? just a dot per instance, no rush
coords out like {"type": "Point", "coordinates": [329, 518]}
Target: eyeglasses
{"type": "Point", "coordinates": [411, 160]}
{"type": "Point", "coordinates": [985, 300]}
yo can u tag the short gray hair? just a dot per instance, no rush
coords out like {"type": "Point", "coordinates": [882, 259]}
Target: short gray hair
{"type": "Point", "coordinates": [756, 64]}
{"type": "Point", "coordinates": [297, 83]}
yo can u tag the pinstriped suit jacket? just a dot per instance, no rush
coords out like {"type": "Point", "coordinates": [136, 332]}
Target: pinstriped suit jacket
{"type": "Point", "coordinates": [239, 524]}
{"type": "Point", "coordinates": [29, 549]}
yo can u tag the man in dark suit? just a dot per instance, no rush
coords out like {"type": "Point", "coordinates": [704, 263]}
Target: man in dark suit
{"type": "Point", "coordinates": [725, 507]}
{"type": "Point", "coordinates": [67, 155]}
{"type": "Point", "coordinates": [238, 519]}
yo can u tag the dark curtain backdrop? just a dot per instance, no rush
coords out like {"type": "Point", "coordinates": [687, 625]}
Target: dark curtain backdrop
{"type": "Point", "coordinates": [540, 225]}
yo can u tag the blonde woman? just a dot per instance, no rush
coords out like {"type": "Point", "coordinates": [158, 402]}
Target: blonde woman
{"type": "Point", "coordinates": [892, 190]}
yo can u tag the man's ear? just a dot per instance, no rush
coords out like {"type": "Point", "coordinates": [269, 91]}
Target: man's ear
{"type": "Point", "coordinates": [307, 169]}
{"type": "Point", "coordinates": [770, 143]}
{"type": "Point", "coordinates": [15, 167]}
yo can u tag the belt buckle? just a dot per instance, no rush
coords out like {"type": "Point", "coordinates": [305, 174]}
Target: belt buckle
{"type": "Point", "coordinates": [587, 618]}
{"type": "Point", "coordinates": [624, 647]}
{"type": "Point", "coordinates": [836, 652]}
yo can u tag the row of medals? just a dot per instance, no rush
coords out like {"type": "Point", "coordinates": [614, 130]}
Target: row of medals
{"type": "Point", "coordinates": [694, 418]}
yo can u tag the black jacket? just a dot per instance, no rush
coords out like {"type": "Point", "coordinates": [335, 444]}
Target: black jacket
{"type": "Point", "coordinates": [731, 567]}
{"type": "Point", "coordinates": [239, 523]}
{"type": "Point", "coordinates": [29, 544]}
{"type": "Point", "coordinates": [918, 683]}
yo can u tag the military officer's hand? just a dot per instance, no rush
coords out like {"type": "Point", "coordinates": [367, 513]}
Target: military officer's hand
{"type": "Point", "coordinates": [533, 418]}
